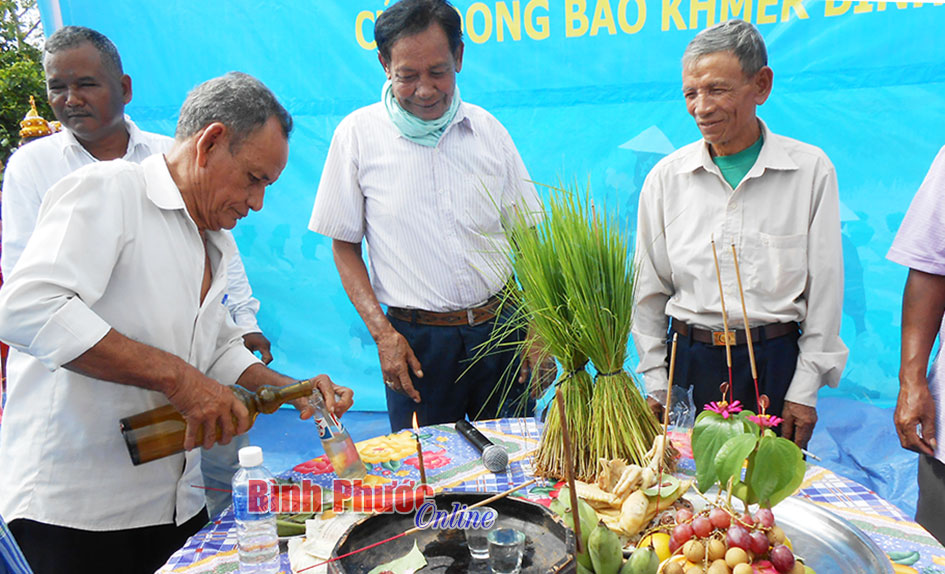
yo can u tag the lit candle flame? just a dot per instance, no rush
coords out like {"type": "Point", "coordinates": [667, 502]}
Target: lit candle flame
{"type": "Point", "coordinates": [416, 436]}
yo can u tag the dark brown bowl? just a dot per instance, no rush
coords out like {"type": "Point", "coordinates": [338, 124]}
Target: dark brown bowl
{"type": "Point", "coordinates": [549, 544]}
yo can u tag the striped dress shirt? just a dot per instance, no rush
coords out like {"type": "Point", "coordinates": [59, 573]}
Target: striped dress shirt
{"type": "Point", "coordinates": [433, 217]}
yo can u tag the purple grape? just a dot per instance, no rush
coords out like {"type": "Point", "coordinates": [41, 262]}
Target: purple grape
{"type": "Point", "coordinates": [782, 558]}
{"type": "Point", "coordinates": [738, 537]}
{"type": "Point", "coordinates": [682, 533]}
{"type": "Point", "coordinates": [759, 542]}
{"type": "Point", "coordinates": [765, 517]}
{"type": "Point", "coordinates": [720, 519]}
{"type": "Point", "coordinates": [701, 526]}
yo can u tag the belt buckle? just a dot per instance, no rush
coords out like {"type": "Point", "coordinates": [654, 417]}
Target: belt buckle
{"type": "Point", "coordinates": [719, 338]}
{"type": "Point", "coordinates": [471, 317]}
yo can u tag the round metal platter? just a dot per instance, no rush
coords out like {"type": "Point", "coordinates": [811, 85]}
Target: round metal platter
{"type": "Point", "coordinates": [828, 543]}
{"type": "Point", "coordinates": [549, 545]}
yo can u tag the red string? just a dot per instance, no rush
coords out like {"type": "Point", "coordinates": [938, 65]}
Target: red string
{"type": "Point", "coordinates": [354, 552]}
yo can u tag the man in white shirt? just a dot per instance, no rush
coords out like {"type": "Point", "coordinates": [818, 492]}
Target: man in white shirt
{"type": "Point", "coordinates": [775, 199]}
{"type": "Point", "coordinates": [88, 92]}
{"type": "Point", "coordinates": [116, 304]}
{"type": "Point", "coordinates": [427, 180]}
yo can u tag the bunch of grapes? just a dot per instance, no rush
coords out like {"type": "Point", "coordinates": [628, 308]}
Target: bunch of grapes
{"type": "Point", "coordinates": [719, 541]}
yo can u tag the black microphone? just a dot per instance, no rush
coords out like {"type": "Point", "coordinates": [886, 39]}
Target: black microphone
{"type": "Point", "coordinates": [494, 457]}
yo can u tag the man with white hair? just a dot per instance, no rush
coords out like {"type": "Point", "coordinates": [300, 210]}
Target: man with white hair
{"type": "Point", "coordinates": [772, 197]}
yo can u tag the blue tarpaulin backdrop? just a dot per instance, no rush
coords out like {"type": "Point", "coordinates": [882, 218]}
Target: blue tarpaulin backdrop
{"type": "Point", "coordinates": [589, 89]}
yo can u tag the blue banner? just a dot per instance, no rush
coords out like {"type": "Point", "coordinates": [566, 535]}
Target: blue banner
{"type": "Point", "coordinates": [590, 90]}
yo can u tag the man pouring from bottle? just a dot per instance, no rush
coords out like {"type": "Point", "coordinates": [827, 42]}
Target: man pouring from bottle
{"type": "Point", "coordinates": [117, 298]}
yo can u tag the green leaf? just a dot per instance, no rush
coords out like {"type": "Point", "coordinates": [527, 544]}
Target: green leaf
{"type": "Point", "coordinates": [709, 434]}
{"type": "Point", "coordinates": [732, 455]}
{"type": "Point", "coordinates": [778, 465]}
{"type": "Point", "coordinates": [799, 469]}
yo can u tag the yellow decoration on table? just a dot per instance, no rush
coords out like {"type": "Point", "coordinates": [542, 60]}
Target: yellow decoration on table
{"type": "Point", "coordinates": [387, 448]}
{"type": "Point", "coordinates": [372, 480]}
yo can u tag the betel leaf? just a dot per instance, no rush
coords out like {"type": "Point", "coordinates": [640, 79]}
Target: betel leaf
{"type": "Point", "coordinates": [731, 457]}
{"type": "Point", "coordinates": [710, 432]}
{"type": "Point", "coordinates": [800, 469]}
{"type": "Point", "coordinates": [775, 469]}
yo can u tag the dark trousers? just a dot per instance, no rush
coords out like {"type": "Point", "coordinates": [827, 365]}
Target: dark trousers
{"type": "Point", "coordinates": [703, 367]}
{"type": "Point", "coordinates": [59, 550]}
{"type": "Point", "coordinates": [454, 385]}
{"type": "Point", "coordinates": [928, 510]}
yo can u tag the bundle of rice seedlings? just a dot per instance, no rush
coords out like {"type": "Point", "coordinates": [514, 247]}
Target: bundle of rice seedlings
{"type": "Point", "coordinates": [597, 267]}
{"type": "Point", "coordinates": [544, 305]}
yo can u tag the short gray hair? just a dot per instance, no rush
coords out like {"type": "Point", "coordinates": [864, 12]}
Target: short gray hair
{"type": "Point", "coordinates": [735, 36]}
{"type": "Point", "coordinates": [70, 37]}
{"type": "Point", "coordinates": [237, 100]}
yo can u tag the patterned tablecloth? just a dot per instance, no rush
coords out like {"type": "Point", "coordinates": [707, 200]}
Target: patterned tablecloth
{"type": "Point", "coordinates": [452, 463]}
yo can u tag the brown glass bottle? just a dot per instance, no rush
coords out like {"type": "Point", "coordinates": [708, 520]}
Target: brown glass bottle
{"type": "Point", "coordinates": [159, 432]}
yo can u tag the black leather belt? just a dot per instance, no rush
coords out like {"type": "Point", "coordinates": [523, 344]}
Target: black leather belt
{"type": "Point", "coordinates": [735, 336]}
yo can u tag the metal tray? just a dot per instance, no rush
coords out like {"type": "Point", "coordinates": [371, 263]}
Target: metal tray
{"type": "Point", "coordinates": [828, 543]}
{"type": "Point", "coordinates": [549, 547]}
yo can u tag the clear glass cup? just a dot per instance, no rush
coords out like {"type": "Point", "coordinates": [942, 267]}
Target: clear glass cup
{"type": "Point", "coordinates": [478, 523]}
{"type": "Point", "coordinates": [506, 546]}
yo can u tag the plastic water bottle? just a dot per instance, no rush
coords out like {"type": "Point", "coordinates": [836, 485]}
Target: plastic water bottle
{"type": "Point", "coordinates": [336, 441]}
{"type": "Point", "coordinates": [256, 535]}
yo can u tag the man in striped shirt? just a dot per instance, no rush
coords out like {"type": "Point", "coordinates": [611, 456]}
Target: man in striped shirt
{"type": "Point", "coordinates": [427, 180]}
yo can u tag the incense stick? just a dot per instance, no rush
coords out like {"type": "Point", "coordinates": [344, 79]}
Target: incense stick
{"type": "Point", "coordinates": [751, 349]}
{"type": "Point", "coordinates": [569, 470]}
{"type": "Point", "coordinates": [728, 346]}
{"type": "Point", "coordinates": [669, 401]}
{"type": "Point", "coordinates": [418, 529]}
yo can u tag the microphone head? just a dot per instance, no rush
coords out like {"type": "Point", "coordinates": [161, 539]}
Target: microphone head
{"type": "Point", "coordinates": [494, 458]}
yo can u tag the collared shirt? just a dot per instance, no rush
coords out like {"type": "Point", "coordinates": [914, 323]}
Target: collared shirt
{"type": "Point", "coordinates": [920, 245]}
{"type": "Point", "coordinates": [783, 219]}
{"type": "Point", "coordinates": [34, 168]}
{"type": "Point", "coordinates": [432, 216]}
{"type": "Point", "coordinates": [113, 248]}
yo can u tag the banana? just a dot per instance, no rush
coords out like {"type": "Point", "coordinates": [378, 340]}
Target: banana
{"type": "Point", "coordinates": [604, 547]}
{"type": "Point", "coordinates": [643, 561]}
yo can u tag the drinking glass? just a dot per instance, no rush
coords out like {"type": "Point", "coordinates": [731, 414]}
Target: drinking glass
{"type": "Point", "coordinates": [480, 522]}
{"type": "Point", "coordinates": [506, 546]}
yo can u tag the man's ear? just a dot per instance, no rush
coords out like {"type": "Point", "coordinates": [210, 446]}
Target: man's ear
{"type": "Point", "coordinates": [763, 82]}
{"type": "Point", "coordinates": [208, 140]}
{"type": "Point", "coordinates": [458, 57]}
{"type": "Point", "coordinates": [126, 88]}
{"type": "Point", "coordinates": [384, 64]}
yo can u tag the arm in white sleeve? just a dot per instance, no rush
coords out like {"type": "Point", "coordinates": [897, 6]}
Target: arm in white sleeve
{"type": "Point", "coordinates": [653, 287]}
{"type": "Point", "coordinates": [521, 200]}
{"type": "Point", "coordinates": [822, 354]}
{"type": "Point", "coordinates": [21, 201]}
{"type": "Point", "coordinates": [45, 303]}
{"type": "Point", "coordinates": [239, 300]}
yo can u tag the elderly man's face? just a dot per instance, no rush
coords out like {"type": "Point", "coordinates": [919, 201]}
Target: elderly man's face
{"type": "Point", "coordinates": [722, 100]}
{"type": "Point", "coordinates": [86, 96]}
{"type": "Point", "coordinates": [234, 183]}
{"type": "Point", "coordinates": [423, 72]}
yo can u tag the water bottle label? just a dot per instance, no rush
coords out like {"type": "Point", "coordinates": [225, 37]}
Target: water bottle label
{"type": "Point", "coordinates": [328, 428]}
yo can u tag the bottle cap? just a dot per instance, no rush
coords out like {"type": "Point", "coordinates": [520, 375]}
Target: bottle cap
{"type": "Point", "coordinates": [250, 456]}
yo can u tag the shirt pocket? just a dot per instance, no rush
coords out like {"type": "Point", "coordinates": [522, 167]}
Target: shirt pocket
{"type": "Point", "coordinates": [778, 267]}
{"type": "Point", "coordinates": [478, 203]}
